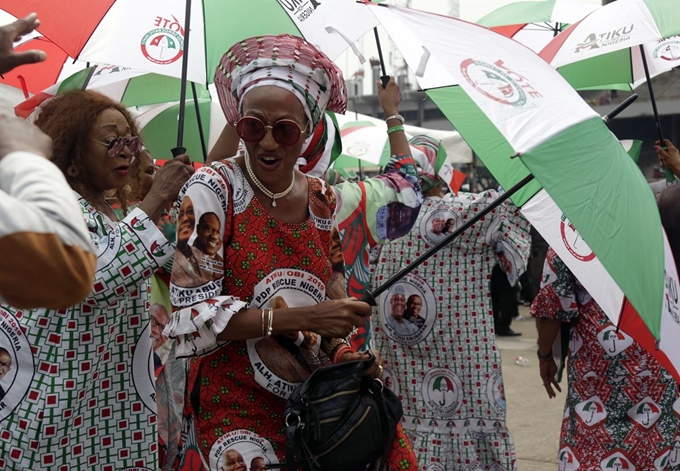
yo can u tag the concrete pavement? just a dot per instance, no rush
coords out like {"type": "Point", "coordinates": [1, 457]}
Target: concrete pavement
{"type": "Point", "coordinates": [533, 419]}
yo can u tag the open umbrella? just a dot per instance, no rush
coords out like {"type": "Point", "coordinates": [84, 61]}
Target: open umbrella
{"type": "Point", "coordinates": [622, 42]}
{"type": "Point", "coordinates": [589, 200]}
{"type": "Point", "coordinates": [136, 88]}
{"type": "Point", "coordinates": [535, 23]}
{"type": "Point", "coordinates": [33, 78]}
{"type": "Point", "coordinates": [154, 35]}
{"type": "Point", "coordinates": [158, 126]}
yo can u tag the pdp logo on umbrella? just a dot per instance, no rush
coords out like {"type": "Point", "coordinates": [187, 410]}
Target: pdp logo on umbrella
{"type": "Point", "coordinates": [442, 391]}
{"type": "Point", "coordinates": [494, 82]}
{"type": "Point", "coordinates": [617, 462]}
{"type": "Point", "coordinates": [668, 50]}
{"type": "Point", "coordinates": [645, 412]}
{"type": "Point", "coordinates": [165, 44]}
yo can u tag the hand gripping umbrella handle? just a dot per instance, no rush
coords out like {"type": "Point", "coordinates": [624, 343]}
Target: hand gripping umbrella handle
{"type": "Point", "coordinates": [178, 151]}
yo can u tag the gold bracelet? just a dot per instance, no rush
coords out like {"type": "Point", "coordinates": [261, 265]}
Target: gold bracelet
{"type": "Point", "coordinates": [335, 343]}
{"type": "Point", "coordinates": [270, 321]}
{"type": "Point", "coordinates": [264, 330]}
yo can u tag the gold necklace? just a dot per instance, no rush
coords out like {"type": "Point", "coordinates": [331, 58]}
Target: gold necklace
{"type": "Point", "coordinates": [264, 189]}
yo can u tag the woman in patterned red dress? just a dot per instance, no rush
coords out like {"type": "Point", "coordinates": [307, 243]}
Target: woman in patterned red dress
{"type": "Point", "coordinates": [622, 406]}
{"type": "Point", "coordinates": [279, 309]}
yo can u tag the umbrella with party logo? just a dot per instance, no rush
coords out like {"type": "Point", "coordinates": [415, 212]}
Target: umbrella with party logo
{"type": "Point", "coordinates": [155, 93]}
{"type": "Point", "coordinates": [621, 43]}
{"type": "Point", "coordinates": [365, 143]}
{"type": "Point", "coordinates": [559, 162]}
{"type": "Point", "coordinates": [535, 23]}
{"type": "Point", "coordinates": [187, 38]}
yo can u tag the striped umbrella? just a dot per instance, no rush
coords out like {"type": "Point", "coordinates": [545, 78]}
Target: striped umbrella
{"type": "Point", "coordinates": [535, 23]}
{"type": "Point", "coordinates": [588, 198]}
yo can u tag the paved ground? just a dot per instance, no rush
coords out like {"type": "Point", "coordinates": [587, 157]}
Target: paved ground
{"type": "Point", "coordinates": [533, 419]}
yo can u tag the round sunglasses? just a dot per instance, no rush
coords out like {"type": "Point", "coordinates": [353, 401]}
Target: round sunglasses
{"type": "Point", "coordinates": [117, 144]}
{"type": "Point", "coordinates": [285, 132]}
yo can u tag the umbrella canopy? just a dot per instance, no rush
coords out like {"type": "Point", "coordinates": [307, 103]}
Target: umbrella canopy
{"type": "Point", "coordinates": [131, 87]}
{"type": "Point", "coordinates": [150, 35]}
{"type": "Point", "coordinates": [365, 143]}
{"type": "Point", "coordinates": [603, 48]}
{"type": "Point", "coordinates": [589, 200]}
{"type": "Point", "coordinates": [355, 124]}
{"type": "Point", "coordinates": [33, 78]}
{"type": "Point", "coordinates": [535, 23]}
{"type": "Point", "coordinates": [158, 127]}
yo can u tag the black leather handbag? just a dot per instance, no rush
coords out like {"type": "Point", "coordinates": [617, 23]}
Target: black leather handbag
{"type": "Point", "coordinates": [340, 419]}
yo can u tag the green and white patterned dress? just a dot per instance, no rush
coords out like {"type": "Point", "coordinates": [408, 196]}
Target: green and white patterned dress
{"type": "Point", "coordinates": [445, 365]}
{"type": "Point", "coordinates": [79, 393]}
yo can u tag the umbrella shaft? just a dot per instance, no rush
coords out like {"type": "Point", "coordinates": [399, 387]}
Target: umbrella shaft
{"type": "Point", "coordinates": [370, 297]}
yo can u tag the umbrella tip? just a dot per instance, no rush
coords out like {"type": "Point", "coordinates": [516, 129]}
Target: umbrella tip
{"type": "Point", "coordinates": [515, 155]}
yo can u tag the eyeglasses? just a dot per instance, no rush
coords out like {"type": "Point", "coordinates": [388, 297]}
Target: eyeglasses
{"type": "Point", "coordinates": [155, 323]}
{"type": "Point", "coordinates": [117, 144]}
{"type": "Point", "coordinates": [285, 132]}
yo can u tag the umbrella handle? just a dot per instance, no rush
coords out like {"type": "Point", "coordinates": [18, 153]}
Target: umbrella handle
{"type": "Point", "coordinates": [176, 151]}
{"type": "Point", "coordinates": [368, 299]}
{"type": "Point", "coordinates": [384, 79]}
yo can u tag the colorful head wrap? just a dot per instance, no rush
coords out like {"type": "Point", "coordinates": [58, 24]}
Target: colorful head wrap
{"type": "Point", "coordinates": [284, 61]}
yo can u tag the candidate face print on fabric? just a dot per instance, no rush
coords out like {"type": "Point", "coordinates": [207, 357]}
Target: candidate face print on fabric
{"type": "Point", "coordinates": [159, 318]}
{"type": "Point", "coordinates": [198, 259]}
{"type": "Point", "coordinates": [436, 225]}
{"type": "Point", "coordinates": [276, 359]}
{"type": "Point", "coordinates": [408, 311]}
{"type": "Point", "coordinates": [495, 392]}
{"type": "Point", "coordinates": [16, 364]}
{"type": "Point", "coordinates": [241, 450]}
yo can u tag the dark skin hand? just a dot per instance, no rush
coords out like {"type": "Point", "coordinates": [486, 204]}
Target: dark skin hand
{"type": "Point", "coordinates": [12, 32]}
{"type": "Point", "coordinates": [166, 186]}
{"type": "Point", "coordinates": [548, 329]}
{"type": "Point", "coordinates": [668, 158]}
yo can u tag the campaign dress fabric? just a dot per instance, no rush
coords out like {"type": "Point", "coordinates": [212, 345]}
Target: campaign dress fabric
{"type": "Point", "coordinates": [622, 406]}
{"type": "Point", "coordinates": [80, 391]}
{"type": "Point", "coordinates": [435, 331]}
{"type": "Point", "coordinates": [237, 390]}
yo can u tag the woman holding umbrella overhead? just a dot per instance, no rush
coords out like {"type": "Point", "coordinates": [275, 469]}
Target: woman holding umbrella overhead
{"type": "Point", "coordinates": [278, 310]}
{"type": "Point", "coordinates": [82, 393]}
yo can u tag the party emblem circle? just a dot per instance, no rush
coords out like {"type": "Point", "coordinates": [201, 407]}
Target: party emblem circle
{"type": "Point", "coordinates": [442, 391]}
{"type": "Point", "coordinates": [493, 83]}
{"type": "Point", "coordinates": [17, 365]}
{"type": "Point", "coordinates": [408, 310]}
{"type": "Point", "coordinates": [162, 46]}
{"type": "Point", "coordinates": [436, 225]}
{"type": "Point", "coordinates": [668, 51]}
{"type": "Point", "coordinates": [573, 241]}
{"type": "Point", "coordinates": [240, 450]}
{"type": "Point", "coordinates": [143, 370]}
{"type": "Point", "coordinates": [495, 392]}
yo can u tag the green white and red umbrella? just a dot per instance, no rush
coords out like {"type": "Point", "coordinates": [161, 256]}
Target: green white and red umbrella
{"type": "Point", "coordinates": [150, 34]}
{"type": "Point", "coordinates": [604, 47]}
{"type": "Point", "coordinates": [158, 127]}
{"type": "Point", "coordinates": [187, 38]}
{"type": "Point", "coordinates": [609, 46]}
{"type": "Point", "coordinates": [535, 23]}
{"type": "Point", "coordinates": [589, 200]}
